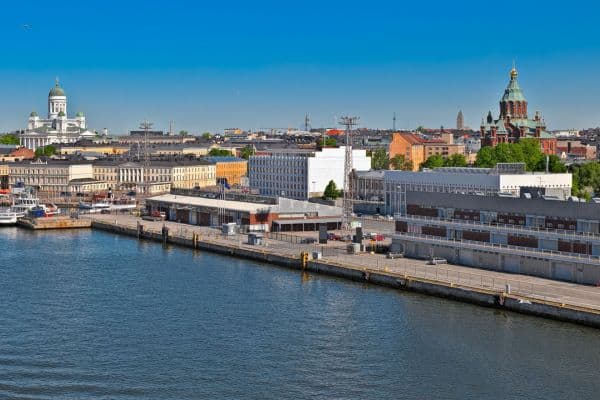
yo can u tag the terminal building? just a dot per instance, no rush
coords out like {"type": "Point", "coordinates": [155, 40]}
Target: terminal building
{"type": "Point", "coordinates": [504, 180]}
{"type": "Point", "coordinates": [551, 239]}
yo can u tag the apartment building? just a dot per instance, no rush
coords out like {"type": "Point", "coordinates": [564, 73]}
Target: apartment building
{"type": "Point", "coordinates": [302, 174]}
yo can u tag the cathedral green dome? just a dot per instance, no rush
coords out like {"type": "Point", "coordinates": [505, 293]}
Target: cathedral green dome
{"type": "Point", "coordinates": [56, 90]}
{"type": "Point", "coordinates": [61, 114]}
{"type": "Point", "coordinates": [33, 114]}
{"type": "Point", "coordinates": [79, 114]}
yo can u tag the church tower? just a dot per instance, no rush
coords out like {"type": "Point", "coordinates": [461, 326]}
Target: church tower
{"type": "Point", "coordinates": [57, 101]}
{"type": "Point", "coordinates": [513, 104]}
{"type": "Point", "coordinates": [460, 121]}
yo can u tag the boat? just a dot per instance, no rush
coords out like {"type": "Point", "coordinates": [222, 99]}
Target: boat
{"type": "Point", "coordinates": [114, 205]}
{"type": "Point", "coordinates": [24, 203]}
{"type": "Point", "coordinates": [8, 217]}
{"type": "Point", "coordinates": [94, 207]}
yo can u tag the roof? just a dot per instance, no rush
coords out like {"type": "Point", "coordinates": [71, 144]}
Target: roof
{"type": "Point", "coordinates": [56, 91]}
{"type": "Point", "coordinates": [217, 159]}
{"type": "Point", "coordinates": [411, 138]}
{"type": "Point", "coordinates": [213, 203]}
{"type": "Point", "coordinates": [513, 91]}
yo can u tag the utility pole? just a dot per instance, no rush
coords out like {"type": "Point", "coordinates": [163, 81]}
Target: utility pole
{"type": "Point", "coordinates": [349, 123]}
{"type": "Point", "coordinates": [145, 126]}
{"type": "Point", "coordinates": [306, 122]}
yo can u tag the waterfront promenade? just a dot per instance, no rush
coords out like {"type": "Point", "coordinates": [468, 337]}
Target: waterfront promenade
{"type": "Point", "coordinates": [522, 288]}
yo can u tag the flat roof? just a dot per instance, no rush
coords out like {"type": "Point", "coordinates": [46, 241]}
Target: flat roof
{"type": "Point", "coordinates": [214, 203]}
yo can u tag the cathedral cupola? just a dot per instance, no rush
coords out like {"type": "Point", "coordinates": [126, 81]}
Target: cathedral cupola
{"type": "Point", "coordinates": [57, 101]}
{"type": "Point", "coordinates": [513, 102]}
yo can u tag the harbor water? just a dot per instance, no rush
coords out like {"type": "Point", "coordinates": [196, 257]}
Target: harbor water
{"type": "Point", "coordinates": [88, 315]}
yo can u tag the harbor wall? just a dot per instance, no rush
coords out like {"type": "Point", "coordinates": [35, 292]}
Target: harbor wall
{"type": "Point", "coordinates": [488, 298]}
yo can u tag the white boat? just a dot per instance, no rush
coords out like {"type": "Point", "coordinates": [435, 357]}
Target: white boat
{"type": "Point", "coordinates": [24, 203]}
{"type": "Point", "coordinates": [96, 207]}
{"type": "Point", "coordinates": [8, 217]}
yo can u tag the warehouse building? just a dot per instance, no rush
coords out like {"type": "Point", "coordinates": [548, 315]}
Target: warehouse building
{"type": "Point", "coordinates": [285, 215]}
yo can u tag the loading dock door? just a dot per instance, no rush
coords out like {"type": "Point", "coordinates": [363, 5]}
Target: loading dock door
{"type": "Point", "coordinates": [563, 272]}
{"type": "Point", "coordinates": [512, 264]}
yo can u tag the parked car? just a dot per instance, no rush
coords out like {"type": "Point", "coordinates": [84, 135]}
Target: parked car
{"type": "Point", "coordinates": [392, 255]}
{"type": "Point", "coordinates": [437, 260]}
{"type": "Point", "coordinates": [131, 193]}
{"type": "Point", "coordinates": [378, 237]}
{"type": "Point", "coordinates": [309, 240]}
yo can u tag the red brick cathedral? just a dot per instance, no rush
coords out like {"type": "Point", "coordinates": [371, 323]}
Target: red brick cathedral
{"type": "Point", "coordinates": [513, 122]}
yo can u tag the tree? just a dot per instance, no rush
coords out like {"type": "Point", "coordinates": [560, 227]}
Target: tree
{"type": "Point", "coordinates": [399, 162]}
{"type": "Point", "coordinates": [46, 151]}
{"type": "Point", "coordinates": [586, 179]}
{"type": "Point", "coordinates": [434, 161]}
{"type": "Point", "coordinates": [555, 165]}
{"type": "Point", "coordinates": [219, 152]}
{"type": "Point", "coordinates": [206, 135]}
{"type": "Point", "coordinates": [486, 158]}
{"type": "Point", "coordinates": [246, 152]}
{"type": "Point", "coordinates": [9, 138]}
{"type": "Point", "coordinates": [532, 153]}
{"type": "Point", "coordinates": [456, 160]}
{"type": "Point", "coordinates": [183, 133]}
{"type": "Point", "coordinates": [331, 191]}
{"type": "Point", "coordinates": [327, 142]}
{"type": "Point", "coordinates": [380, 159]}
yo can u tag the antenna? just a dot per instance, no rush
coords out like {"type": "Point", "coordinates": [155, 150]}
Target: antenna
{"type": "Point", "coordinates": [349, 123]}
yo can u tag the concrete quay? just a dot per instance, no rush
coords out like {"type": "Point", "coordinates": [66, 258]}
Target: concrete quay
{"type": "Point", "coordinates": [519, 293]}
{"type": "Point", "coordinates": [59, 222]}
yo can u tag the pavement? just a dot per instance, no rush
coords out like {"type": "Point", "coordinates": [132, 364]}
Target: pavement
{"type": "Point", "coordinates": [288, 244]}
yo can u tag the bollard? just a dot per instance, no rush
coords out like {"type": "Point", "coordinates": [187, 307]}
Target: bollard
{"type": "Point", "coordinates": [165, 234]}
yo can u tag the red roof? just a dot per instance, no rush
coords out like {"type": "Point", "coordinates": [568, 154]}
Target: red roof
{"type": "Point", "coordinates": [23, 152]}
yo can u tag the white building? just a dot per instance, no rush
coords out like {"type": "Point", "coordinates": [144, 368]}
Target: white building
{"type": "Point", "coordinates": [507, 180]}
{"type": "Point", "coordinates": [301, 175]}
{"type": "Point", "coordinates": [57, 128]}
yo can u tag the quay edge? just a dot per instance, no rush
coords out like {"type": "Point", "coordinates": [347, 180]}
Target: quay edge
{"type": "Point", "coordinates": [488, 298]}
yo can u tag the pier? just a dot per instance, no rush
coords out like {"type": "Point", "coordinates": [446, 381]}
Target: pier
{"type": "Point", "coordinates": [519, 293]}
{"type": "Point", "coordinates": [59, 222]}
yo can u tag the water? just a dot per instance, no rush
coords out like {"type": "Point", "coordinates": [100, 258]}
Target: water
{"type": "Point", "coordinates": [93, 315]}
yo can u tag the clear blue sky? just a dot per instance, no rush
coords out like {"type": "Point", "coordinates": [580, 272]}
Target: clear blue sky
{"type": "Point", "coordinates": [259, 64]}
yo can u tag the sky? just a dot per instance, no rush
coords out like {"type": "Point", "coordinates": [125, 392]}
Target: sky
{"type": "Point", "coordinates": [257, 64]}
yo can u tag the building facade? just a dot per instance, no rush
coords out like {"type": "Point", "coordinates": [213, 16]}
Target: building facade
{"type": "Point", "coordinates": [302, 175]}
{"type": "Point", "coordinates": [510, 180]}
{"type": "Point", "coordinates": [57, 127]}
{"type": "Point", "coordinates": [514, 123]}
{"type": "Point", "coordinates": [157, 176]}
{"type": "Point", "coordinates": [417, 150]}
{"type": "Point", "coordinates": [52, 178]}
{"type": "Point", "coordinates": [232, 169]}
{"type": "Point", "coordinates": [551, 239]}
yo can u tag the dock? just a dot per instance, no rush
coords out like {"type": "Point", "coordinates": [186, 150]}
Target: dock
{"type": "Point", "coordinates": [58, 222]}
{"type": "Point", "coordinates": [518, 293]}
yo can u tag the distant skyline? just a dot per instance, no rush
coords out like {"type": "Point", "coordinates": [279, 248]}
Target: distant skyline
{"type": "Point", "coordinates": [264, 64]}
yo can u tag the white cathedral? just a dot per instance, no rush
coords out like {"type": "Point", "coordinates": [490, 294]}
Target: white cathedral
{"type": "Point", "coordinates": [57, 128]}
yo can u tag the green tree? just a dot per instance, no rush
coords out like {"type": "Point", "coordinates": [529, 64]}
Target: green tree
{"type": "Point", "coordinates": [586, 179]}
{"type": "Point", "coordinates": [215, 152]}
{"type": "Point", "coordinates": [555, 165]}
{"type": "Point", "coordinates": [380, 159]}
{"type": "Point", "coordinates": [486, 158]}
{"type": "Point", "coordinates": [434, 161]}
{"type": "Point", "coordinates": [206, 135]}
{"type": "Point", "coordinates": [397, 162]}
{"type": "Point", "coordinates": [532, 153]}
{"type": "Point", "coordinates": [46, 151]}
{"type": "Point", "coordinates": [331, 191]}
{"type": "Point", "coordinates": [327, 142]}
{"type": "Point", "coordinates": [9, 138]}
{"type": "Point", "coordinates": [183, 133]}
{"type": "Point", "coordinates": [246, 152]}
{"type": "Point", "coordinates": [456, 160]}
